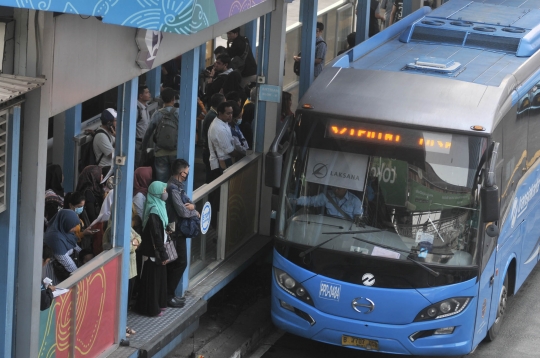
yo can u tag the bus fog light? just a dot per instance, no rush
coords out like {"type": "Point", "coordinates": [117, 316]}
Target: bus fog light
{"type": "Point", "coordinates": [445, 330]}
{"type": "Point", "coordinates": [286, 306]}
{"type": "Point", "coordinates": [300, 291]}
{"type": "Point", "coordinates": [432, 312]}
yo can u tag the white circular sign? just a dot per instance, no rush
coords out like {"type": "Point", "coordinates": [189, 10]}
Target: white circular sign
{"type": "Point", "coordinates": [206, 216]}
{"type": "Point", "coordinates": [368, 279]}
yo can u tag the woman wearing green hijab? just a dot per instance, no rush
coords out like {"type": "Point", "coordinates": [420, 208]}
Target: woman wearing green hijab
{"type": "Point", "coordinates": [152, 298]}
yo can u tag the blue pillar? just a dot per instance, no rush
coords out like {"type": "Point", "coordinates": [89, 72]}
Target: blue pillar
{"type": "Point", "coordinates": [264, 45]}
{"type": "Point", "coordinates": [153, 81]}
{"type": "Point", "coordinates": [125, 147]}
{"type": "Point", "coordinates": [202, 56]}
{"type": "Point", "coordinates": [251, 34]}
{"type": "Point", "coordinates": [362, 21]}
{"type": "Point", "coordinates": [8, 233]}
{"type": "Point", "coordinates": [407, 7]}
{"type": "Point", "coordinates": [187, 113]}
{"type": "Point", "coordinates": [72, 128]}
{"type": "Point", "coordinates": [308, 17]}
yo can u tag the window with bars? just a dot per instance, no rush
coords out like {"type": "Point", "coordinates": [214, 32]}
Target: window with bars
{"type": "Point", "coordinates": [4, 116]}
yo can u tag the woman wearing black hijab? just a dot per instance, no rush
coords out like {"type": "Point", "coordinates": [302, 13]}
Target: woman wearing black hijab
{"type": "Point", "coordinates": [61, 239]}
{"type": "Point", "coordinates": [54, 192]}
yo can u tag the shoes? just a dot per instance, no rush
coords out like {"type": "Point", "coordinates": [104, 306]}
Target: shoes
{"type": "Point", "coordinates": [176, 302]}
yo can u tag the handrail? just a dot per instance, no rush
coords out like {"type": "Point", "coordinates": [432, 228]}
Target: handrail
{"type": "Point", "coordinates": [206, 189]}
{"type": "Point", "coordinates": [90, 267]}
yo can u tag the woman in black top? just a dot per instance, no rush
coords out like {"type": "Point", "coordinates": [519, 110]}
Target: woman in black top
{"type": "Point", "coordinates": [89, 185]}
{"type": "Point", "coordinates": [152, 298]}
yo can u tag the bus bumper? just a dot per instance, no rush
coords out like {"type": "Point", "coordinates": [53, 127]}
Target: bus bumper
{"type": "Point", "coordinates": [306, 321]}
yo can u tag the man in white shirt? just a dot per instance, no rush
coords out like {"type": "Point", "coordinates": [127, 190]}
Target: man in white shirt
{"type": "Point", "coordinates": [143, 119]}
{"type": "Point", "coordinates": [104, 138]}
{"type": "Point", "coordinates": [220, 141]}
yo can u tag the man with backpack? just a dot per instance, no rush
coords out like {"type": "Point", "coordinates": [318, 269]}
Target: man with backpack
{"type": "Point", "coordinates": [104, 138]}
{"type": "Point", "coordinates": [163, 133]}
{"type": "Point", "coordinates": [320, 53]}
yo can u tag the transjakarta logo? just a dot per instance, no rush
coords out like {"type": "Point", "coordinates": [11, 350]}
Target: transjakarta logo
{"type": "Point", "coordinates": [520, 203]}
{"type": "Point", "coordinates": [329, 291]}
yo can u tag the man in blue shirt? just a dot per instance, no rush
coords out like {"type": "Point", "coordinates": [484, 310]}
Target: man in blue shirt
{"type": "Point", "coordinates": [338, 197]}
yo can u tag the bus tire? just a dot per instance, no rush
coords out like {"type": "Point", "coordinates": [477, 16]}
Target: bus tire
{"type": "Point", "coordinates": [493, 332]}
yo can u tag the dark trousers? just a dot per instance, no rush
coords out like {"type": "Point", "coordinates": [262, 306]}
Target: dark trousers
{"type": "Point", "coordinates": [176, 269]}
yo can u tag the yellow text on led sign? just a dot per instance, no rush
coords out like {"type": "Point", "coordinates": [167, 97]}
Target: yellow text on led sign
{"type": "Point", "coordinates": [364, 133]}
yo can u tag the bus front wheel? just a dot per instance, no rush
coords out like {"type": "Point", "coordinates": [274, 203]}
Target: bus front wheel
{"type": "Point", "coordinates": [495, 328]}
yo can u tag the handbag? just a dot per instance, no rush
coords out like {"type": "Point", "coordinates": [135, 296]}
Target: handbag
{"type": "Point", "coordinates": [170, 249]}
{"type": "Point", "coordinates": [189, 227]}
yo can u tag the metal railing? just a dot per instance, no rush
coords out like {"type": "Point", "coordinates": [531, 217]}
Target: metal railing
{"type": "Point", "coordinates": [234, 198]}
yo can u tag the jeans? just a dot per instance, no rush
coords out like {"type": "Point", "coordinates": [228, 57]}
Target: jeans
{"type": "Point", "coordinates": [162, 165]}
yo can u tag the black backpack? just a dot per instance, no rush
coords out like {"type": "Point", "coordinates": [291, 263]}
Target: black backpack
{"type": "Point", "coordinates": [296, 64]}
{"type": "Point", "coordinates": [166, 133]}
{"type": "Point", "coordinates": [87, 156]}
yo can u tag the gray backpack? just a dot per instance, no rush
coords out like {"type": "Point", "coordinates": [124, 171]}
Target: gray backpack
{"type": "Point", "coordinates": [166, 133]}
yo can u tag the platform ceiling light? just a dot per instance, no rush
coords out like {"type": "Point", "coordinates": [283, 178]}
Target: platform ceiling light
{"type": "Point", "coordinates": [478, 128]}
{"type": "Point", "coordinates": [307, 106]}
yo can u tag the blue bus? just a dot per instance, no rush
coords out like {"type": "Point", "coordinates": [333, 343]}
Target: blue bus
{"type": "Point", "coordinates": [408, 183]}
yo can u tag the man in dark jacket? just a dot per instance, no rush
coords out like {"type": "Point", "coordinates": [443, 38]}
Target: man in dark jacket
{"type": "Point", "coordinates": [238, 45]}
{"type": "Point", "coordinates": [177, 209]}
{"type": "Point", "coordinates": [221, 70]}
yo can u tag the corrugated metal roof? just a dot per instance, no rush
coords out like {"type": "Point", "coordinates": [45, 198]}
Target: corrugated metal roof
{"type": "Point", "coordinates": [15, 86]}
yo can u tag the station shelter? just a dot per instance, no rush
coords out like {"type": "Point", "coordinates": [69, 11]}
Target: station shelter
{"type": "Point", "coordinates": [61, 60]}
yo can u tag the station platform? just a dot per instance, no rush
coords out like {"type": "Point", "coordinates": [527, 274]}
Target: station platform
{"type": "Point", "coordinates": [158, 336]}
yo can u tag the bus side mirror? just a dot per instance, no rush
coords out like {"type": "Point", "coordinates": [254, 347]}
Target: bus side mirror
{"type": "Point", "coordinates": [273, 162]}
{"type": "Point", "coordinates": [490, 203]}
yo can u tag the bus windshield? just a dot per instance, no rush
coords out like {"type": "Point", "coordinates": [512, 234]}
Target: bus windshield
{"type": "Point", "coordinates": [395, 202]}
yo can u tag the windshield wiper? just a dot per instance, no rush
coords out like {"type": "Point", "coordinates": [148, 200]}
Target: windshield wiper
{"type": "Point", "coordinates": [433, 272]}
{"type": "Point", "coordinates": [314, 222]}
{"type": "Point", "coordinates": [304, 253]}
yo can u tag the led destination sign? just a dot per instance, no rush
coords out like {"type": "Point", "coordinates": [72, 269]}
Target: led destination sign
{"type": "Point", "coordinates": [433, 142]}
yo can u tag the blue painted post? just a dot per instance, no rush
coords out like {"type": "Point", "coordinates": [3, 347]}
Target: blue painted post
{"type": "Point", "coordinates": [407, 8]}
{"type": "Point", "coordinates": [153, 81]}
{"type": "Point", "coordinates": [362, 21]}
{"type": "Point", "coordinates": [187, 113]}
{"type": "Point", "coordinates": [251, 34]}
{"type": "Point", "coordinates": [72, 128]}
{"type": "Point", "coordinates": [125, 147]}
{"type": "Point", "coordinates": [264, 45]}
{"type": "Point", "coordinates": [8, 233]}
{"type": "Point", "coordinates": [308, 18]}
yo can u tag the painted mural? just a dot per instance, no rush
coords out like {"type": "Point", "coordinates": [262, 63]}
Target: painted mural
{"type": "Point", "coordinates": [175, 16]}
{"type": "Point", "coordinates": [88, 312]}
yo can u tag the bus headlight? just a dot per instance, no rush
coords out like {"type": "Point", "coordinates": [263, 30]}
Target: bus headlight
{"type": "Point", "coordinates": [289, 285]}
{"type": "Point", "coordinates": [443, 309]}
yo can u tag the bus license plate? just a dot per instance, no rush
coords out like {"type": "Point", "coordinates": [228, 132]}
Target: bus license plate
{"type": "Point", "coordinates": [360, 342]}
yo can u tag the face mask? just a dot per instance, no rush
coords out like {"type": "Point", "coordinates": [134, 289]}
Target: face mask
{"type": "Point", "coordinates": [164, 196]}
{"type": "Point", "coordinates": [239, 121]}
{"type": "Point", "coordinates": [79, 211]}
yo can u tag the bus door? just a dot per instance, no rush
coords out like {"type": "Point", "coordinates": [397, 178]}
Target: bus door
{"type": "Point", "coordinates": [485, 290]}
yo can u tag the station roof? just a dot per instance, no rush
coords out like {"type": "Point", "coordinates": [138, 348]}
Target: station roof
{"type": "Point", "coordinates": [175, 16]}
{"type": "Point", "coordinates": [14, 86]}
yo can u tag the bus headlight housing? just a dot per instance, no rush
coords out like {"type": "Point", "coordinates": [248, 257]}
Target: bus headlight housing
{"type": "Point", "coordinates": [291, 286]}
{"type": "Point", "coordinates": [443, 309]}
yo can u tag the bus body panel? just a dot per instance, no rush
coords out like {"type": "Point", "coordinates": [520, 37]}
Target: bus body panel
{"type": "Point", "coordinates": [485, 301]}
{"type": "Point", "coordinates": [392, 338]}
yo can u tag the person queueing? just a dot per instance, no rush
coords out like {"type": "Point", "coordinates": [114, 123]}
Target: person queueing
{"type": "Point", "coordinates": [152, 298]}
{"type": "Point", "coordinates": [61, 239]}
{"type": "Point", "coordinates": [180, 206]}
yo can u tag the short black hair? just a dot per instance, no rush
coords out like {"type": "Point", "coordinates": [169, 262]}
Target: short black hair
{"type": "Point", "coordinates": [225, 58]}
{"type": "Point", "coordinates": [141, 90]}
{"type": "Point", "coordinates": [216, 100]}
{"type": "Point", "coordinates": [235, 30]}
{"type": "Point", "coordinates": [47, 253]}
{"type": "Point", "coordinates": [74, 199]}
{"type": "Point", "coordinates": [178, 165]}
{"type": "Point", "coordinates": [233, 96]}
{"type": "Point", "coordinates": [168, 95]}
{"type": "Point", "coordinates": [236, 110]}
{"type": "Point", "coordinates": [320, 26]}
{"type": "Point", "coordinates": [222, 106]}
{"type": "Point", "coordinates": [219, 50]}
